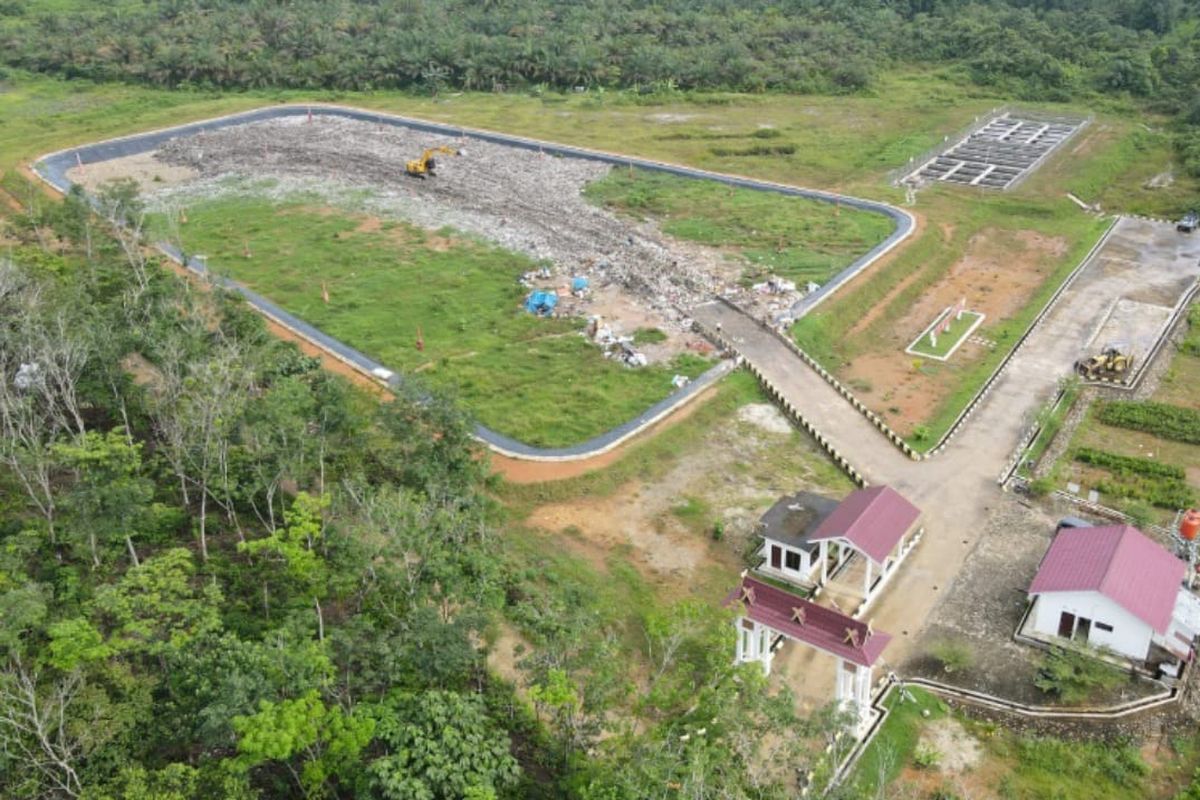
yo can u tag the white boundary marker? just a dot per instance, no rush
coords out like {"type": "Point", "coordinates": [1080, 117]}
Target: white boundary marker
{"type": "Point", "coordinates": [979, 318]}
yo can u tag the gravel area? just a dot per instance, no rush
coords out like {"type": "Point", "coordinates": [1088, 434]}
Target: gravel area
{"type": "Point", "coordinates": [524, 201]}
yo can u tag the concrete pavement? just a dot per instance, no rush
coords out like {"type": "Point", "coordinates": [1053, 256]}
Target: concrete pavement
{"type": "Point", "coordinates": [957, 489]}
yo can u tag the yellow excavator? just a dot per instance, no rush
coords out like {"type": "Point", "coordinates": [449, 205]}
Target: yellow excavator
{"type": "Point", "coordinates": [1111, 363]}
{"type": "Point", "coordinates": [423, 167]}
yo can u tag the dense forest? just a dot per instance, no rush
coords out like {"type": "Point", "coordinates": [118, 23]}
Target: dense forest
{"type": "Point", "coordinates": [1032, 49]}
{"type": "Point", "coordinates": [1049, 49]}
{"type": "Point", "coordinates": [226, 573]}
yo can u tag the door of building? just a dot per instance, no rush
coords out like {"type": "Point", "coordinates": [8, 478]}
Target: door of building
{"type": "Point", "coordinates": [1066, 625]}
{"type": "Point", "coordinates": [776, 556]}
{"type": "Point", "coordinates": [1083, 629]}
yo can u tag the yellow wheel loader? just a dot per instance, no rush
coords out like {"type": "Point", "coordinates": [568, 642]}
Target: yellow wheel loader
{"type": "Point", "coordinates": [1109, 364]}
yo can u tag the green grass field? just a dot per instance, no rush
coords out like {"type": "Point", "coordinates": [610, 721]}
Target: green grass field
{"type": "Point", "coordinates": [534, 379]}
{"type": "Point", "coordinates": [947, 340]}
{"type": "Point", "coordinates": [840, 143]}
{"type": "Point", "coordinates": [794, 238]}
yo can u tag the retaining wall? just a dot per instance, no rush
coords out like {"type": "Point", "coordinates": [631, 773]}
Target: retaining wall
{"type": "Point", "coordinates": [788, 408]}
{"type": "Point", "coordinates": [841, 388]}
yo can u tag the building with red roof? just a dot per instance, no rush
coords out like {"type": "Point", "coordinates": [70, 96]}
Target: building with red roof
{"type": "Point", "coordinates": [768, 616]}
{"type": "Point", "coordinates": [1113, 587]}
{"type": "Point", "coordinates": [807, 538]}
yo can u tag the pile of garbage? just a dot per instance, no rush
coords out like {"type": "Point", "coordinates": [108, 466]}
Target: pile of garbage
{"type": "Point", "coordinates": [524, 201]}
{"type": "Point", "coordinates": [775, 285]}
{"type": "Point", "coordinates": [616, 347]}
{"type": "Point", "coordinates": [541, 303]}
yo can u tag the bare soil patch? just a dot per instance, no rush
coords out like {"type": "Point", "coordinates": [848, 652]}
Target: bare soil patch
{"type": "Point", "coordinates": [997, 275]}
{"type": "Point", "coordinates": [150, 173]}
{"type": "Point", "coordinates": [765, 416]}
{"type": "Point", "coordinates": [733, 474]}
{"type": "Point", "coordinates": [959, 750]}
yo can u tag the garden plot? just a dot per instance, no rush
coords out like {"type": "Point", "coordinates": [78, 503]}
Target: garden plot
{"type": "Point", "coordinates": [999, 154]}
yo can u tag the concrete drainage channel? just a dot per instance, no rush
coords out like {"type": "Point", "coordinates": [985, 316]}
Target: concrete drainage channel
{"type": "Point", "coordinates": [52, 169]}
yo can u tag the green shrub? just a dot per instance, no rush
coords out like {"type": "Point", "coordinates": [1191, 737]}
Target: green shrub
{"type": "Point", "coordinates": [1041, 486]}
{"type": "Point", "coordinates": [954, 655]}
{"type": "Point", "coordinates": [1192, 790]}
{"type": "Point", "coordinates": [1074, 675]}
{"type": "Point", "coordinates": [926, 757]}
{"type": "Point", "coordinates": [1128, 465]}
{"type": "Point", "coordinates": [1160, 492]}
{"type": "Point", "coordinates": [755, 150]}
{"type": "Point", "coordinates": [1161, 419]}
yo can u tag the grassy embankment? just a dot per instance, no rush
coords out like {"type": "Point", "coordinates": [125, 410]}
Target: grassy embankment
{"type": "Point", "coordinates": [1012, 765]}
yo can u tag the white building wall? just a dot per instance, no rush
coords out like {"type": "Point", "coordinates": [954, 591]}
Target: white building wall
{"type": "Point", "coordinates": [804, 575]}
{"type": "Point", "coordinates": [1130, 636]}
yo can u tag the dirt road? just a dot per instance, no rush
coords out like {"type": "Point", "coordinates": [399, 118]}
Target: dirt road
{"type": "Point", "coordinates": [957, 490]}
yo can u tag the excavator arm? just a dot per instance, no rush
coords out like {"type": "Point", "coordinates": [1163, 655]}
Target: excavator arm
{"type": "Point", "coordinates": [424, 166]}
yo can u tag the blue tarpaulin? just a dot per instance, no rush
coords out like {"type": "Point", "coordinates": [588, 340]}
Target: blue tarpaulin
{"type": "Point", "coordinates": [579, 284]}
{"type": "Point", "coordinates": [541, 303]}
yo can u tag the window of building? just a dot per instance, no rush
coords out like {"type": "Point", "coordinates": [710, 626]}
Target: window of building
{"type": "Point", "coordinates": [792, 560]}
{"type": "Point", "coordinates": [1100, 626]}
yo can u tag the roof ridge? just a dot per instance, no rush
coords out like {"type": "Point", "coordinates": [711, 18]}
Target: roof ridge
{"type": "Point", "coordinates": [1122, 536]}
{"type": "Point", "coordinates": [1111, 564]}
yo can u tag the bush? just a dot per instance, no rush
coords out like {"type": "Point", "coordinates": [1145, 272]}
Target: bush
{"type": "Point", "coordinates": [755, 150]}
{"type": "Point", "coordinates": [1074, 675]}
{"type": "Point", "coordinates": [1041, 486]}
{"type": "Point", "coordinates": [1128, 465]}
{"type": "Point", "coordinates": [926, 757]}
{"type": "Point", "coordinates": [953, 655]}
{"type": "Point", "coordinates": [1161, 419]}
{"type": "Point", "coordinates": [1139, 513]}
{"type": "Point", "coordinates": [1160, 492]}
{"type": "Point", "coordinates": [1192, 790]}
